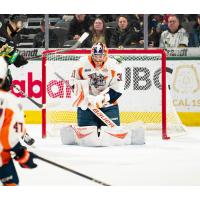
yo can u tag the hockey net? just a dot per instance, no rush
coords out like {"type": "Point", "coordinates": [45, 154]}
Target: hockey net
{"type": "Point", "coordinates": [146, 96]}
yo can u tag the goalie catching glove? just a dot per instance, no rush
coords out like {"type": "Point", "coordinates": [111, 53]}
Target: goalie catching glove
{"type": "Point", "coordinates": [24, 157]}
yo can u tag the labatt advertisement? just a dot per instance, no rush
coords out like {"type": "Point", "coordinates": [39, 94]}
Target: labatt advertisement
{"type": "Point", "coordinates": [183, 80]}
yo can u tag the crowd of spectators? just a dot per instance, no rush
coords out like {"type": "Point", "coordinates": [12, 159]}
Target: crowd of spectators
{"type": "Point", "coordinates": [116, 31]}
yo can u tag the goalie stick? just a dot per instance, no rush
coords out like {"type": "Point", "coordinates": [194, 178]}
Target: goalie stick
{"type": "Point", "coordinates": [103, 117]}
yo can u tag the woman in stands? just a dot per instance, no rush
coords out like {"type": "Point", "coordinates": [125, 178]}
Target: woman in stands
{"type": "Point", "coordinates": [99, 33]}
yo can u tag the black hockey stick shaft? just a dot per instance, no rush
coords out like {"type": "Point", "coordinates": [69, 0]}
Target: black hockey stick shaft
{"type": "Point", "coordinates": [29, 98]}
{"type": "Point", "coordinates": [72, 171]}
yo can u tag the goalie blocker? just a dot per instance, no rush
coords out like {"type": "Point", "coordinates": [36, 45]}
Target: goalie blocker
{"type": "Point", "coordinates": [117, 136]}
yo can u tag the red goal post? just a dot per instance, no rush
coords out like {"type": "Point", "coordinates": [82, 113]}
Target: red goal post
{"type": "Point", "coordinates": [53, 62]}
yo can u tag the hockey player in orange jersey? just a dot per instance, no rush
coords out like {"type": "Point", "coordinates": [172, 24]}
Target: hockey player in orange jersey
{"type": "Point", "coordinates": [11, 127]}
{"type": "Point", "coordinates": [104, 76]}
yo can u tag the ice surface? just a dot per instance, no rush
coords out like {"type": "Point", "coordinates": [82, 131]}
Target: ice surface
{"type": "Point", "coordinates": [158, 162]}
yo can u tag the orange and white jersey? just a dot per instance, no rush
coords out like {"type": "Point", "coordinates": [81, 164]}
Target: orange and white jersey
{"type": "Point", "coordinates": [11, 124]}
{"type": "Point", "coordinates": [99, 79]}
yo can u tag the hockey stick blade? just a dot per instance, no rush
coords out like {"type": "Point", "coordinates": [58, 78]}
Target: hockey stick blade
{"type": "Point", "coordinates": [72, 171]}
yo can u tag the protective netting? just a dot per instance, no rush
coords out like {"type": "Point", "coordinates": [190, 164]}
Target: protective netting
{"type": "Point", "coordinates": [142, 99]}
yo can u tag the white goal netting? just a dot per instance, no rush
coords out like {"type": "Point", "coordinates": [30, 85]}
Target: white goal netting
{"type": "Point", "coordinates": [144, 98]}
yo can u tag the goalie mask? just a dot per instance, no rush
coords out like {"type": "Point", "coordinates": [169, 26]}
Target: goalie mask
{"type": "Point", "coordinates": [99, 54]}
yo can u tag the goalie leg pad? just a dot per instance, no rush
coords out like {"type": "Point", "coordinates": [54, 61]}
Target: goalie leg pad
{"type": "Point", "coordinates": [138, 133]}
{"type": "Point", "coordinates": [67, 135]}
{"type": "Point", "coordinates": [86, 136]}
{"type": "Point", "coordinates": [114, 136]}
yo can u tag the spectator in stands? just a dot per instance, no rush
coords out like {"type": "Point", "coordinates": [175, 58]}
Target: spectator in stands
{"type": "Point", "coordinates": [98, 34]}
{"type": "Point", "coordinates": [62, 29]}
{"type": "Point", "coordinates": [39, 39]}
{"type": "Point", "coordinates": [65, 18]}
{"type": "Point", "coordinates": [136, 21]}
{"type": "Point", "coordinates": [154, 37]}
{"type": "Point", "coordinates": [154, 31]}
{"type": "Point", "coordinates": [158, 22]}
{"type": "Point", "coordinates": [194, 38]}
{"type": "Point", "coordinates": [106, 17]}
{"type": "Point", "coordinates": [123, 35]}
{"type": "Point", "coordinates": [78, 25]}
{"type": "Point", "coordinates": [21, 32]}
{"type": "Point", "coordinates": [188, 22]}
{"type": "Point", "coordinates": [175, 36]}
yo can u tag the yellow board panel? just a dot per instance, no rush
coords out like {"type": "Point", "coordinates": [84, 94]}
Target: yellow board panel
{"type": "Point", "coordinates": [187, 118]}
{"type": "Point", "coordinates": [190, 118]}
{"type": "Point", "coordinates": [33, 117]}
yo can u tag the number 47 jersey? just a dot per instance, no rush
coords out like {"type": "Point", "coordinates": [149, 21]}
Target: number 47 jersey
{"type": "Point", "coordinates": [99, 79]}
{"type": "Point", "coordinates": [11, 124]}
